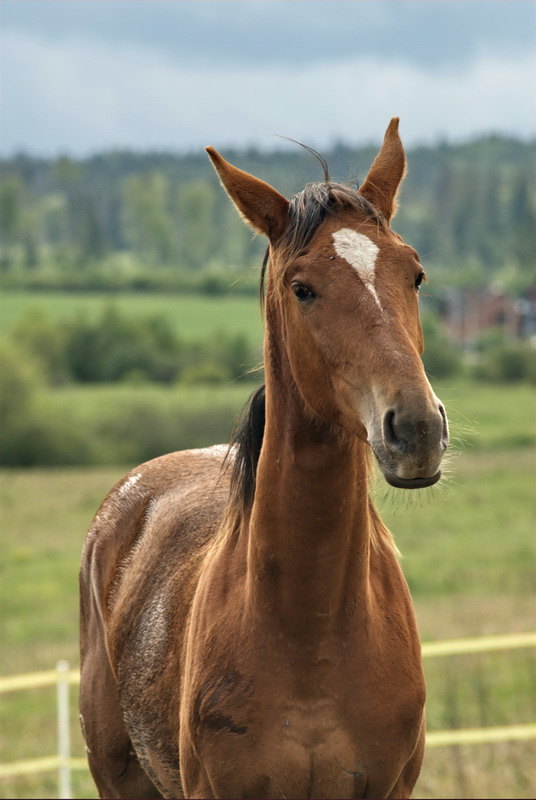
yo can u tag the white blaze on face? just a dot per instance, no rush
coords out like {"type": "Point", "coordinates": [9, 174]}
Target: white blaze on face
{"type": "Point", "coordinates": [361, 253]}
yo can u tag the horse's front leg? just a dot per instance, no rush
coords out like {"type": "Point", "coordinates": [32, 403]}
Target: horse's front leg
{"type": "Point", "coordinates": [194, 778]}
{"type": "Point", "coordinates": [408, 777]}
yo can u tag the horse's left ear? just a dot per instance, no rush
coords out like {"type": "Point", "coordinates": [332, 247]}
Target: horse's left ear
{"type": "Point", "coordinates": [258, 202]}
{"type": "Point", "coordinates": [383, 181]}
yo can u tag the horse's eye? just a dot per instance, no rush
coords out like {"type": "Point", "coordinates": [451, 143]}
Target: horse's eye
{"type": "Point", "coordinates": [418, 280]}
{"type": "Point", "coordinates": [302, 292]}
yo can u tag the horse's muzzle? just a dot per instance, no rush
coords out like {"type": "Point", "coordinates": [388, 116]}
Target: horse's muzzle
{"type": "Point", "coordinates": [412, 483]}
{"type": "Point", "coordinates": [411, 445]}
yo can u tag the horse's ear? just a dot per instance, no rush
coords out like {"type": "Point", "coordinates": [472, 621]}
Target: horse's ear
{"type": "Point", "coordinates": [383, 181]}
{"type": "Point", "coordinates": [258, 203]}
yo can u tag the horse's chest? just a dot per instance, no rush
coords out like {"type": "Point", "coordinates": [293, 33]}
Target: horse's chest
{"type": "Point", "coordinates": [287, 752]}
{"type": "Point", "coordinates": [321, 747]}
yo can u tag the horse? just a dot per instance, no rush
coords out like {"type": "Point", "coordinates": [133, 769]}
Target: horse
{"type": "Point", "coordinates": [246, 629]}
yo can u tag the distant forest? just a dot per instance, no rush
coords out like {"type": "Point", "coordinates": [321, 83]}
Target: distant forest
{"type": "Point", "coordinates": [161, 221]}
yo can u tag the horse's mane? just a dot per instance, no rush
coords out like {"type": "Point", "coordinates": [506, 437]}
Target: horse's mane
{"type": "Point", "coordinates": [245, 448]}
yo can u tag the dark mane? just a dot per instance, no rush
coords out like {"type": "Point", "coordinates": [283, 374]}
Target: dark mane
{"type": "Point", "coordinates": [246, 442]}
{"type": "Point", "coordinates": [307, 210]}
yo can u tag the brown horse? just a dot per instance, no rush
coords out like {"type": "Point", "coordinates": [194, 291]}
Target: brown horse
{"type": "Point", "coordinates": [246, 630]}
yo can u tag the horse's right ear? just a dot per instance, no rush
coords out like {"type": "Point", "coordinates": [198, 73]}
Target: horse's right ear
{"type": "Point", "coordinates": [383, 181]}
{"type": "Point", "coordinates": [258, 203]}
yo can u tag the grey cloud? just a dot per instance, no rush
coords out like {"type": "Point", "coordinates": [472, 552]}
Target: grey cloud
{"type": "Point", "coordinates": [263, 32]}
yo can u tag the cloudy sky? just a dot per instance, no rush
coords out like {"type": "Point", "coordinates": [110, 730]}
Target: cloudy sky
{"type": "Point", "coordinates": [86, 75]}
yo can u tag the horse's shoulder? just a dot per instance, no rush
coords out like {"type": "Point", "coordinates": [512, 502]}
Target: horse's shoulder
{"type": "Point", "coordinates": [179, 473]}
{"type": "Point", "coordinates": [175, 495]}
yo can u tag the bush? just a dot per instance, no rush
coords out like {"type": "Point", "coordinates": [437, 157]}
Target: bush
{"type": "Point", "coordinates": [231, 354]}
{"type": "Point", "coordinates": [20, 377]}
{"type": "Point", "coordinates": [141, 432]}
{"type": "Point", "coordinates": [31, 432]}
{"type": "Point", "coordinates": [116, 347]}
{"type": "Point", "coordinates": [46, 437]}
{"type": "Point", "coordinates": [46, 341]}
{"type": "Point", "coordinates": [507, 362]}
{"type": "Point", "coordinates": [207, 372]}
{"type": "Point", "coordinates": [441, 358]}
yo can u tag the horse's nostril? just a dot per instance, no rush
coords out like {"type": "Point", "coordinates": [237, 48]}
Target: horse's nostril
{"type": "Point", "coordinates": [389, 432]}
{"type": "Point", "coordinates": [405, 433]}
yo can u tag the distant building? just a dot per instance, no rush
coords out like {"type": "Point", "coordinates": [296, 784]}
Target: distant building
{"type": "Point", "coordinates": [467, 313]}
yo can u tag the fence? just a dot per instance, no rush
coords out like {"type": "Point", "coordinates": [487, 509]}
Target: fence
{"type": "Point", "coordinates": [63, 677]}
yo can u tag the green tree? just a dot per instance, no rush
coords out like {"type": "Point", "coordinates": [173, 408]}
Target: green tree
{"type": "Point", "coordinates": [46, 342]}
{"type": "Point", "coordinates": [147, 225]}
{"type": "Point", "coordinates": [195, 209]}
{"type": "Point", "coordinates": [20, 376]}
{"type": "Point", "coordinates": [55, 219]}
{"type": "Point", "coordinates": [11, 203]}
{"type": "Point", "coordinates": [90, 238]}
{"type": "Point", "coordinates": [523, 222]}
{"type": "Point", "coordinates": [441, 358]}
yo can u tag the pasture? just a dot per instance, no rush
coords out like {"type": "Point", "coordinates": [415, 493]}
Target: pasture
{"type": "Point", "coordinates": [467, 544]}
{"type": "Point", "coordinates": [191, 316]}
{"type": "Point", "coordinates": [468, 554]}
{"type": "Point", "coordinates": [482, 417]}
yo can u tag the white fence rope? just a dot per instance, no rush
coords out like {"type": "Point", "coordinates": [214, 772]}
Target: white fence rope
{"type": "Point", "coordinates": [63, 677]}
{"type": "Point", "coordinates": [64, 731]}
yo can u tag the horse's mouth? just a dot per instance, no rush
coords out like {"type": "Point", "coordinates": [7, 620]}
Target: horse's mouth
{"type": "Point", "coordinates": [411, 483]}
{"type": "Point", "coordinates": [389, 468]}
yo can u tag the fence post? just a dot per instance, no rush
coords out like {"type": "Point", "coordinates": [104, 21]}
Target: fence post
{"type": "Point", "coordinates": [64, 732]}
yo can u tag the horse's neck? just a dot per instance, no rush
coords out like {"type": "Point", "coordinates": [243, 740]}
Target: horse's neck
{"type": "Point", "coordinates": [309, 528]}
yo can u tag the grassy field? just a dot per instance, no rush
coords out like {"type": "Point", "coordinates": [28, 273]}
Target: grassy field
{"type": "Point", "coordinates": [481, 416]}
{"type": "Point", "coordinates": [192, 316]}
{"type": "Point", "coordinates": [468, 554]}
{"type": "Point", "coordinates": [468, 551]}
{"type": "Point", "coordinates": [93, 401]}
{"type": "Point", "coordinates": [468, 548]}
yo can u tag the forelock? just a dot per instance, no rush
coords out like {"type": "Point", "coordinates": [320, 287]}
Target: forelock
{"type": "Point", "coordinates": [310, 207]}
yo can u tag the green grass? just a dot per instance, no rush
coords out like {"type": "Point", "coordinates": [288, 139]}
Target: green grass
{"type": "Point", "coordinates": [469, 554]}
{"type": "Point", "coordinates": [89, 402]}
{"type": "Point", "coordinates": [489, 416]}
{"type": "Point", "coordinates": [474, 540]}
{"type": "Point", "coordinates": [132, 422]}
{"type": "Point", "coordinates": [482, 417]}
{"type": "Point", "coordinates": [471, 535]}
{"type": "Point", "coordinates": [191, 316]}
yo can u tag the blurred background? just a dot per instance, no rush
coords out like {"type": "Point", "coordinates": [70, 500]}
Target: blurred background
{"type": "Point", "coordinates": [129, 318]}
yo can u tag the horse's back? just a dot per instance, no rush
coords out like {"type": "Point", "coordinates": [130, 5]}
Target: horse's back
{"type": "Point", "coordinates": [138, 575]}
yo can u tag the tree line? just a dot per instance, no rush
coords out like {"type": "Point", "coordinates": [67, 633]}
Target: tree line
{"type": "Point", "coordinates": [157, 220]}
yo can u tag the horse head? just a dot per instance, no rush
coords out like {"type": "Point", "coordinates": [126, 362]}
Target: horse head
{"type": "Point", "coordinates": [343, 327]}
